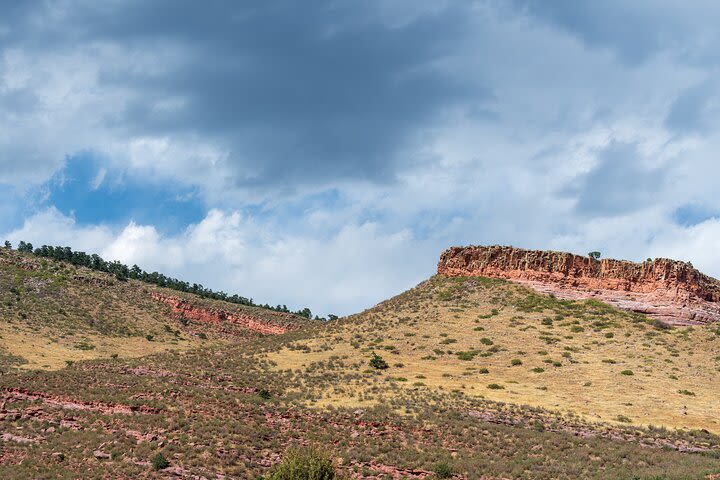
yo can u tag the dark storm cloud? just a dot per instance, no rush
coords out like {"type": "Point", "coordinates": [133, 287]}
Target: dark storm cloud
{"type": "Point", "coordinates": [294, 91]}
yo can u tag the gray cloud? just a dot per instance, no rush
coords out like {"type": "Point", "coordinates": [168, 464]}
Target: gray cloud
{"type": "Point", "coordinates": [295, 92]}
{"type": "Point", "coordinates": [618, 184]}
{"type": "Point", "coordinates": [635, 31]}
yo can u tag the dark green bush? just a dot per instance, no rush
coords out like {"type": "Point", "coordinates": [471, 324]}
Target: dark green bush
{"type": "Point", "coordinates": [159, 462]}
{"type": "Point", "coordinates": [377, 362]}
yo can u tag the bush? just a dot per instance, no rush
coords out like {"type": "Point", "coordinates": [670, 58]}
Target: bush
{"type": "Point", "coordinates": [627, 372]}
{"type": "Point", "coordinates": [303, 464]}
{"type": "Point", "coordinates": [377, 362]}
{"type": "Point", "coordinates": [515, 362]}
{"type": "Point", "coordinates": [443, 470]}
{"type": "Point", "coordinates": [159, 462]}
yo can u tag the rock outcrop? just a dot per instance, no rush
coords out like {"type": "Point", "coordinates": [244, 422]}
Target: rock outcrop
{"type": "Point", "coordinates": [669, 290]}
{"type": "Point", "coordinates": [193, 311]}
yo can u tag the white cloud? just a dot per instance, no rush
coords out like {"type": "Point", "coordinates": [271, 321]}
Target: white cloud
{"type": "Point", "coordinates": [353, 269]}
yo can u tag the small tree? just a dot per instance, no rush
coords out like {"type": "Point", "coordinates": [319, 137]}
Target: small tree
{"type": "Point", "coordinates": [377, 362]}
{"type": "Point", "coordinates": [8, 244]}
{"type": "Point", "coordinates": [595, 255]}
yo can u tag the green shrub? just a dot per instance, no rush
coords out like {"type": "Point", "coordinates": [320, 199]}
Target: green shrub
{"type": "Point", "coordinates": [515, 362]}
{"type": "Point", "coordinates": [627, 372]}
{"type": "Point", "coordinates": [466, 355]}
{"type": "Point", "coordinates": [443, 470]}
{"type": "Point", "coordinates": [159, 462]}
{"type": "Point", "coordinates": [495, 386]}
{"type": "Point", "coordinates": [303, 464]}
{"type": "Point", "coordinates": [377, 362]}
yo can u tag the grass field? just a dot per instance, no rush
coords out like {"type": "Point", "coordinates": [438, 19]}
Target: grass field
{"type": "Point", "coordinates": [496, 340]}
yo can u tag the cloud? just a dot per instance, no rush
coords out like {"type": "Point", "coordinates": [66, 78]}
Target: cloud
{"type": "Point", "coordinates": [325, 153]}
{"type": "Point", "coordinates": [226, 251]}
{"type": "Point", "coordinates": [618, 182]}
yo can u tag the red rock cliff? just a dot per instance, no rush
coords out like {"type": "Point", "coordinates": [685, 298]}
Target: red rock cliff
{"type": "Point", "coordinates": [668, 289]}
{"type": "Point", "coordinates": [196, 312]}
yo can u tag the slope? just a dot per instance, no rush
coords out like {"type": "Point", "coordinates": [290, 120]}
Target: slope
{"type": "Point", "coordinates": [53, 312]}
{"type": "Point", "coordinates": [493, 339]}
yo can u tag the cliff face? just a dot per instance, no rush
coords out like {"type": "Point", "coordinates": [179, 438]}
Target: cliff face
{"type": "Point", "coordinates": [670, 290]}
{"type": "Point", "coordinates": [191, 311]}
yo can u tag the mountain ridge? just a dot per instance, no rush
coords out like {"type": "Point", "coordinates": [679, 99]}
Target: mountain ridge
{"type": "Point", "coordinates": [671, 291]}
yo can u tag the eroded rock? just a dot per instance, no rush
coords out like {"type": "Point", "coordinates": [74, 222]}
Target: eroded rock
{"type": "Point", "coordinates": [669, 290]}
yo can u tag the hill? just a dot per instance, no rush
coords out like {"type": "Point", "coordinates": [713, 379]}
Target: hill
{"type": "Point", "coordinates": [54, 312]}
{"type": "Point", "coordinates": [460, 377]}
{"type": "Point", "coordinates": [669, 291]}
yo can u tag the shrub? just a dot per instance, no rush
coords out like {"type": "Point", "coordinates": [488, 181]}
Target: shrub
{"type": "Point", "coordinates": [495, 386]}
{"type": "Point", "coordinates": [264, 394]}
{"type": "Point", "coordinates": [377, 362]}
{"type": "Point", "coordinates": [538, 370]}
{"type": "Point", "coordinates": [443, 470]}
{"type": "Point", "coordinates": [627, 372]}
{"type": "Point", "coordinates": [159, 462]}
{"type": "Point", "coordinates": [466, 355]}
{"type": "Point", "coordinates": [483, 371]}
{"type": "Point", "coordinates": [486, 341]}
{"type": "Point", "coordinates": [515, 362]}
{"type": "Point", "coordinates": [686, 392]}
{"type": "Point", "coordinates": [303, 464]}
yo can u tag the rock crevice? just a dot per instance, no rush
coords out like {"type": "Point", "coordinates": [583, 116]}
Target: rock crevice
{"type": "Point", "coordinates": [670, 290]}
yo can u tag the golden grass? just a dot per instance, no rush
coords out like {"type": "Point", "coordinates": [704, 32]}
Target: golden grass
{"type": "Point", "coordinates": [675, 373]}
{"type": "Point", "coordinates": [44, 351]}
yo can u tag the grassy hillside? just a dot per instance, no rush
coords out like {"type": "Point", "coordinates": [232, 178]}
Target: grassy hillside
{"type": "Point", "coordinates": [452, 402]}
{"type": "Point", "coordinates": [53, 312]}
{"type": "Point", "coordinates": [496, 340]}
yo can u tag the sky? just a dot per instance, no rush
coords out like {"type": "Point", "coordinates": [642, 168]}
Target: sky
{"type": "Point", "coordinates": [325, 153]}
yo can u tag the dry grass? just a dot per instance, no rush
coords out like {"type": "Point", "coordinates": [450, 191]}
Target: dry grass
{"type": "Point", "coordinates": [572, 354]}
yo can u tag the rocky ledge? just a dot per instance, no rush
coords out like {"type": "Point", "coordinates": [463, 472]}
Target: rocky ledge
{"type": "Point", "coordinates": [280, 324]}
{"type": "Point", "coordinates": [669, 290]}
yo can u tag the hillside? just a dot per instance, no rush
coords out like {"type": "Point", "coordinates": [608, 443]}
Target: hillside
{"type": "Point", "coordinates": [459, 377]}
{"type": "Point", "coordinates": [54, 312]}
{"type": "Point", "coordinates": [671, 291]}
{"type": "Point", "coordinates": [493, 339]}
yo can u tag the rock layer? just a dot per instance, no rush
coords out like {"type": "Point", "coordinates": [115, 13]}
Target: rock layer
{"type": "Point", "coordinates": [670, 290]}
{"type": "Point", "coordinates": [196, 312]}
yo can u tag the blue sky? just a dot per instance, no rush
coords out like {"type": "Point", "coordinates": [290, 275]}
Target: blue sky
{"type": "Point", "coordinates": [325, 153]}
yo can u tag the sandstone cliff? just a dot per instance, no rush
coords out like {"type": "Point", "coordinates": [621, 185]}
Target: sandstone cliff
{"type": "Point", "coordinates": [272, 323]}
{"type": "Point", "coordinates": [669, 290]}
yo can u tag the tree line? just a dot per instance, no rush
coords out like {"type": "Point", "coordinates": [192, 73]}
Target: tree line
{"type": "Point", "coordinates": [122, 272]}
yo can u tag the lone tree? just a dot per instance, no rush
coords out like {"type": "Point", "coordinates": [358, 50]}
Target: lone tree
{"type": "Point", "coordinates": [595, 255]}
{"type": "Point", "coordinates": [377, 362]}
